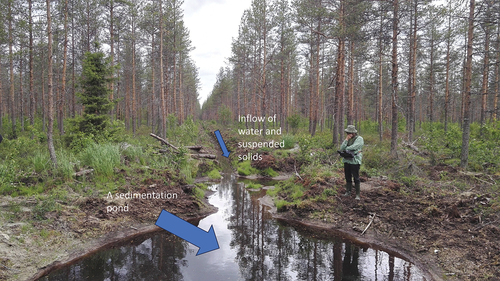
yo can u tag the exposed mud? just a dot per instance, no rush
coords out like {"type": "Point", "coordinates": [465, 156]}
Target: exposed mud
{"type": "Point", "coordinates": [445, 233]}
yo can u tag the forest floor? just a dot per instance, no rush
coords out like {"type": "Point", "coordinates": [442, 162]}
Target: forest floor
{"type": "Point", "coordinates": [443, 232]}
{"type": "Point", "coordinates": [83, 226]}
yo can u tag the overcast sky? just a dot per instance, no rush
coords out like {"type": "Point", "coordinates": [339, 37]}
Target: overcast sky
{"type": "Point", "coordinates": [212, 25]}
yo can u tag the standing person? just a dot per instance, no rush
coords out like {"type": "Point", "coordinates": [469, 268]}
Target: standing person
{"type": "Point", "coordinates": [352, 145]}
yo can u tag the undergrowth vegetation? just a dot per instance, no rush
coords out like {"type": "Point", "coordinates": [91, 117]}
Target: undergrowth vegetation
{"type": "Point", "coordinates": [26, 168]}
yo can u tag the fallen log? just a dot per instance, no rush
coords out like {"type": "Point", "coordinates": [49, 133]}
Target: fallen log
{"type": "Point", "coordinates": [164, 141]}
{"type": "Point", "coordinates": [194, 147]}
{"type": "Point", "coordinates": [208, 156]}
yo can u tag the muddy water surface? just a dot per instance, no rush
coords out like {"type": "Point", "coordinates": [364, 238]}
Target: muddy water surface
{"type": "Point", "coordinates": [253, 246]}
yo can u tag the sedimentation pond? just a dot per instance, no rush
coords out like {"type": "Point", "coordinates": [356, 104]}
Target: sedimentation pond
{"type": "Point", "coordinates": [253, 246]}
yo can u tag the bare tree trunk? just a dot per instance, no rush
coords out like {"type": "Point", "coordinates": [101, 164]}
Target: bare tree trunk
{"type": "Point", "coordinates": [464, 156]}
{"type": "Point", "coordinates": [340, 81]}
{"type": "Point", "coordinates": [413, 78]}
{"type": "Point", "coordinates": [21, 90]}
{"type": "Point", "coordinates": [12, 105]}
{"type": "Point", "coordinates": [112, 53]}
{"type": "Point", "coordinates": [447, 87]}
{"type": "Point", "coordinates": [380, 86]}
{"type": "Point", "coordinates": [497, 76]}
{"type": "Point", "coordinates": [394, 132]}
{"type": "Point", "coordinates": [153, 92]}
{"type": "Point", "coordinates": [350, 97]}
{"type": "Point", "coordinates": [73, 76]}
{"type": "Point", "coordinates": [50, 96]}
{"type": "Point", "coordinates": [31, 94]}
{"type": "Point", "coordinates": [134, 106]}
{"type": "Point", "coordinates": [162, 84]}
{"type": "Point", "coordinates": [486, 67]}
{"type": "Point", "coordinates": [431, 81]}
{"type": "Point", "coordinates": [65, 59]}
{"type": "Point", "coordinates": [1, 98]}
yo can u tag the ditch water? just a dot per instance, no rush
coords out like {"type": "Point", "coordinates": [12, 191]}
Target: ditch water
{"type": "Point", "coordinates": [253, 246]}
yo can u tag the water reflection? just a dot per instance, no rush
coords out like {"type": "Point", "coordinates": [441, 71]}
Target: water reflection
{"type": "Point", "coordinates": [252, 247]}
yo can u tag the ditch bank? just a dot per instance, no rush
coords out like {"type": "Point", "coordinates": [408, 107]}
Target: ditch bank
{"type": "Point", "coordinates": [30, 249]}
{"type": "Point", "coordinates": [443, 234]}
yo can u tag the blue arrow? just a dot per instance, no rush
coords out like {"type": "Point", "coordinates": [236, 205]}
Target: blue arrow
{"type": "Point", "coordinates": [222, 144]}
{"type": "Point", "coordinates": [206, 241]}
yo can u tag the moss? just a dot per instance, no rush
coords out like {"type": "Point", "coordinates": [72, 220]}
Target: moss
{"type": "Point", "coordinates": [214, 174]}
{"type": "Point", "coordinates": [245, 168]}
{"type": "Point", "coordinates": [198, 193]}
{"type": "Point", "coordinates": [253, 185]}
{"type": "Point", "coordinates": [270, 172]}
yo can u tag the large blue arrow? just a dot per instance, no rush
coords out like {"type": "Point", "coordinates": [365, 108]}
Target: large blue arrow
{"type": "Point", "coordinates": [222, 144]}
{"type": "Point", "coordinates": [206, 241]}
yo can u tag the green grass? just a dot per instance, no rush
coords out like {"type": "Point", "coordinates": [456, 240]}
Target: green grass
{"type": "Point", "coordinates": [103, 158]}
{"type": "Point", "coordinates": [40, 161]}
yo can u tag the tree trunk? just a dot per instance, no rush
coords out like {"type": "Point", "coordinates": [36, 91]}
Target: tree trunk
{"type": "Point", "coordinates": [447, 76]}
{"type": "Point", "coordinates": [464, 156]}
{"type": "Point", "coordinates": [65, 58]}
{"type": "Point", "coordinates": [50, 96]}
{"type": "Point", "coordinates": [380, 86]}
{"type": "Point", "coordinates": [162, 84]}
{"type": "Point", "coordinates": [31, 94]}
{"type": "Point", "coordinates": [431, 80]}
{"type": "Point", "coordinates": [497, 76]}
{"type": "Point", "coordinates": [350, 97]}
{"type": "Point", "coordinates": [394, 132]}
{"type": "Point", "coordinates": [112, 53]}
{"type": "Point", "coordinates": [12, 105]}
{"type": "Point", "coordinates": [340, 81]}
{"type": "Point", "coordinates": [134, 106]}
{"type": "Point", "coordinates": [486, 67]}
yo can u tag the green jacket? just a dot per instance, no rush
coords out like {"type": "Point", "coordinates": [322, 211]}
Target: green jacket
{"type": "Point", "coordinates": [355, 145]}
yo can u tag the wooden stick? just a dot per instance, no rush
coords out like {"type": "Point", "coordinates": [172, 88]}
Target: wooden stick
{"type": "Point", "coordinates": [297, 173]}
{"type": "Point", "coordinates": [373, 217]}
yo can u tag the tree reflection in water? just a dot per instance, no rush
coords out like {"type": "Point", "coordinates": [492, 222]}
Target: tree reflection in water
{"type": "Point", "coordinates": [253, 247]}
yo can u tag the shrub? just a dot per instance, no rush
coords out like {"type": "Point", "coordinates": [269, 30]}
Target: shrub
{"type": "Point", "coordinates": [289, 141]}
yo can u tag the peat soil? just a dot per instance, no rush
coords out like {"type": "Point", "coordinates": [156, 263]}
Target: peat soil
{"type": "Point", "coordinates": [445, 232]}
{"type": "Point", "coordinates": [83, 226]}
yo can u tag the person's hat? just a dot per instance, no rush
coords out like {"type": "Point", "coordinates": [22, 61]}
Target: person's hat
{"type": "Point", "coordinates": [350, 129]}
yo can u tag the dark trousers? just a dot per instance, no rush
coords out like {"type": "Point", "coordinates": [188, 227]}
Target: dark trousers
{"type": "Point", "coordinates": [351, 171]}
